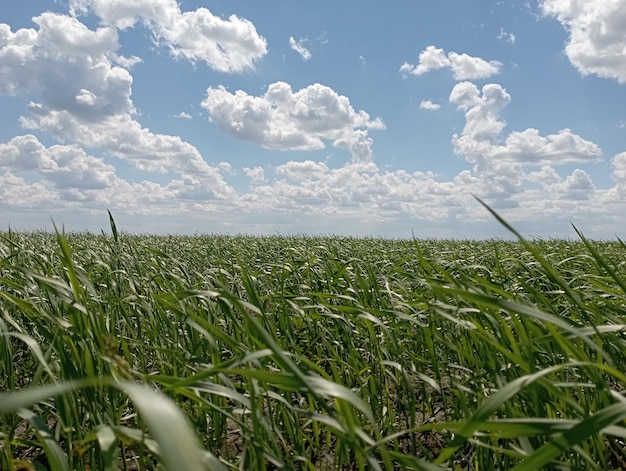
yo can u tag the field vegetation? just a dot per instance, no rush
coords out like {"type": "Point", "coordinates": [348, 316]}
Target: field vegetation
{"type": "Point", "coordinates": [122, 351]}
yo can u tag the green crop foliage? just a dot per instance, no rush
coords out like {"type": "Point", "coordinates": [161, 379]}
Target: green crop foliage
{"type": "Point", "coordinates": [139, 352]}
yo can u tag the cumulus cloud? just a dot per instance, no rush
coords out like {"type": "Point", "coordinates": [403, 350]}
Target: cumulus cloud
{"type": "Point", "coordinates": [183, 115]}
{"type": "Point", "coordinates": [66, 64]}
{"type": "Point", "coordinates": [122, 137]}
{"type": "Point", "coordinates": [619, 173]}
{"type": "Point", "coordinates": [228, 45]}
{"type": "Point", "coordinates": [501, 163]}
{"type": "Point", "coordinates": [463, 66]}
{"type": "Point", "coordinates": [575, 187]}
{"type": "Point", "coordinates": [480, 138]}
{"type": "Point", "coordinates": [62, 176]}
{"type": "Point", "coordinates": [255, 174]}
{"type": "Point", "coordinates": [85, 99]}
{"type": "Point", "coordinates": [15, 192]}
{"type": "Point", "coordinates": [429, 105]}
{"type": "Point", "coordinates": [516, 173]}
{"type": "Point", "coordinates": [597, 34]}
{"type": "Point", "coordinates": [64, 166]}
{"type": "Point", "coordinates": [544, 176]}
{"type": "Point", "coordinates": [357, 190]}
{"type": "Point", "coordinates": [303, 170]}
{"type": "Point", "coordinates": [560, 148]}
{"type": "Point", "coordinates": [298, 46]}
{"type": "Point", "coordinates": [285, 120]}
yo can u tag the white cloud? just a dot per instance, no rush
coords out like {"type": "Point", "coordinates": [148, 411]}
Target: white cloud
{"type": "Point", "coordinates": [67, 64]}
{"type": "Point", "coordinates": [16, 193]}
{"type": "Point", "coordinates": [466, 67]}
{"type": "Point", "coordinates": [61, 176]}
{"type": "Point", "coordinates": [183, 115]}
{"type": "Point", "coordinates": [597, 34]}
{"type": "Point", "coordinates": [227, 45]}
{"type": "Point", "coordinates": [303, 170]}
{"type": "Point", "coordinates": [431, 58]}
{"type": "Point", "coordinates": [354, 198]}
{"type": "Point", "coordinates": [255, 174]}
{"type": "Point", "coordinates": [81, 95]}
{"type": "Point", "coordinates": [283, 120]}
{"type": "Point", "coordinates": [619, 173]}
{"type": "Point", "coordinates": [429, 105]}
{"type": "Point", "coordinates": [479, 140]}
{"type": "Point", "coordinates": [564, 147]}
{"type": "Point", "coordinates": [63, 165]}
{"type": "Point", "coordinates": [544, 176]}
{"type": "Point", "coordinates": [577, 186]}
{"type": "Point", "coordinates": [508, 37]}
{"type": "Point", "coordinates": [298, 46]}
{"type": "Point", "coordinates": [85, 99]}
{"type": "Point", "coordinates": [121, 136]}
{"type": "Point", "coordinates": [357, 190]}
{"type": "Point", "coordinates": [501, 166]}
{"type": "Point", "coordinates": [482, 114]}
{"type": "Point", "coordinates": [463, 66]}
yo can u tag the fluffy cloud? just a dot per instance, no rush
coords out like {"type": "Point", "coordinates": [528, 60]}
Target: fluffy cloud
{"type": "Point", "coordinates": [619, 173]}
{"type": "Point", "coordinates": [122, 137]}
{"type": "Point", "coordinates": [15, 192]}
{"type": "Point", "coordinates": [64, 166]}
{"type": "Point", "coordinates": [303, 170]}
{"type": "Point", "coordinates": [564, 147]}
{"type": "Point", "coordinates": [597, 34]}
{"type": "Point", "coordinates": [429, 105]}
{"type": "Point", "coordinates": [255, 174]}
{"type": "Point", "coordinates": [577, 186]}
{"type": "Point", "coordinates": [68, 65]}
{"type": "Point", "coordinates": [227, 45]}
{"type": "Point", "coordinates": [357, 190]}
{"type": "Point", "coordinates": [463, 66]}
{"type": "Point", "coordinates": [66, 175]}
{"type": "Point", "coordinates": [81, 95]}
{"type": "Point", "coordinates": [283, 120]}
{"type": "Point", "coordinates": [479, 140]}
{"type": "Point", "coordinates": [85, 97]}
{"type": "Point", "coordinates": [298, 46]}
{"type": "Point", "coordinates": [500, 165]}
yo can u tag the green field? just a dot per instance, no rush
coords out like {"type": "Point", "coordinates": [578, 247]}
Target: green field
{"type": "Point", "coordinates": [216, 352]}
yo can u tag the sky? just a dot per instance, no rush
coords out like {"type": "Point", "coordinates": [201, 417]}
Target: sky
{"type": "Point", "coordinates": [353, 118]}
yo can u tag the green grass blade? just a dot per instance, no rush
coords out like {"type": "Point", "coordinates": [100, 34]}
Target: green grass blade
{"type": "Point", "coordinates": [66, 258]}
{"type": "Point", "coordinates": [592, 425]}
{"type": "Point", "coordinates": [601, 261]}
{"type": "Point", "coordinates": [550, 271]}
{"type": "Point", "coordinates": [108, 448]}
{"type": "Point", "coordinates": [179, 446]}
{"type": "Point", "coordinates": [488, 407]}
{"type": "Point", "coordinates": [11, 402]}
{"type": "Point", "coordinates": [113, 226]}
{"type": "Point", "coordinates": [56, 456]}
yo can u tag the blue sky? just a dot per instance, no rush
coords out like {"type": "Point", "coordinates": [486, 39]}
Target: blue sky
{"type": "Point", "coordinates": [359, 118]}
